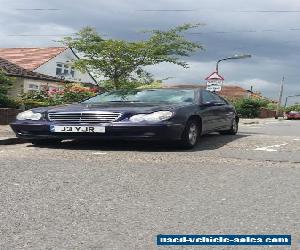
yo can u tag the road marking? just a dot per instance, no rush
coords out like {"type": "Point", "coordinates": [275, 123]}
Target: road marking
{"type": "Point", "coordinates": [272, 148]}
{"type": "Point", "coordinates": [296, 139]}
{"type": "Point", "coordinates": [99, 153]}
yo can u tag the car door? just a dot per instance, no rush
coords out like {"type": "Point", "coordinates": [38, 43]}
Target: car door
{"type": "Point", "coordinates": [209, 112]}
{"type": "Point", "coordinates": [224, 112]}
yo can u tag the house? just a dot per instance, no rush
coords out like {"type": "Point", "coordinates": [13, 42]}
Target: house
{"type": "Point", "coordinates": [237, 92]}
{"type": "Point", "coordinates": [35, 68]}
{"type": "Point", "coordinates": [26, 80]}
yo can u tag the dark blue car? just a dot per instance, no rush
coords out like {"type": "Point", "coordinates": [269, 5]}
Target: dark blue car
{"type": "Point", "coordinates": [181, 115]}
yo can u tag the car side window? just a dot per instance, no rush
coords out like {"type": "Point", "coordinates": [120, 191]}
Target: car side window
{"type": "Point", "coordinates": [208, 97]}
{"type": "Point", "coordinates": [218, 98]}
{"type": "Point", "coordinates": [224, 100]}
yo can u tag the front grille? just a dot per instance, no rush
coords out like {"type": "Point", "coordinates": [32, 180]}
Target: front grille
{"type": "Point", "coordinates": [84, 117]}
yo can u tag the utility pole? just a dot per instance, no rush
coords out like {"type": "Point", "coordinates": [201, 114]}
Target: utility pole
{"type": "Point", "coordinates": [286, 99]}
{"type": "Point", "coordinates": [280, 98]}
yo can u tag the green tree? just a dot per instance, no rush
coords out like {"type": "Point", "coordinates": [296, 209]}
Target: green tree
{"type": "Point", "coordinates": [5, 84]}
{"type": "Point", "coordinates": [123, 62]}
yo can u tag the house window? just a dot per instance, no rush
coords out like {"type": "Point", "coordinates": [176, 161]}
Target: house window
{"type": "Point", "coordinates": [59, 69]}
{"type": "Point", "coordinates": [64, 70]}
{"type": "Point", "coordinates": [33, 87]}
{"type": "Point", "coordinates": [72, 72]}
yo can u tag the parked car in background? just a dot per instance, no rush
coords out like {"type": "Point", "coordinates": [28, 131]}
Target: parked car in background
{"type": "Point", "coordinates": [181, 115]}
{"type": "Point", "coordinates": [292, 115]}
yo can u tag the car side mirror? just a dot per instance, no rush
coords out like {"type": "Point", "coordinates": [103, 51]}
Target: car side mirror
{"type": "Point", "coordinates": [207, 104]}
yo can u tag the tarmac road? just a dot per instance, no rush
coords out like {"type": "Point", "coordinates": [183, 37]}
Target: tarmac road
{"type": "Point", "coordinates": [83, 195]}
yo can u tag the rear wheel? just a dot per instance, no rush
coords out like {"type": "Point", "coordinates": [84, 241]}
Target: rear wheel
{"type": "Point", "coordinates": [233, 130]}
{"type": "Point", "coordinates": [191, 134]}
{"type": "Point", "coordinates": [45, 142]}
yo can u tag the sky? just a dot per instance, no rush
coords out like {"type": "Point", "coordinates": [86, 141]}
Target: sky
{"type": "Point", "coordinates": [269, 30]}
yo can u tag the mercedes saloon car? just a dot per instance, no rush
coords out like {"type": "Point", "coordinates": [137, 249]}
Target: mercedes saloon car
{"type": "Point", "coordinates": [178, 115]}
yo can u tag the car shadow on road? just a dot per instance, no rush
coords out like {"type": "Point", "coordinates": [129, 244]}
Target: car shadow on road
{"type": "Point", "coordinates": [206, 142]}
{"type": "Point", "coordinates": [11, 141]}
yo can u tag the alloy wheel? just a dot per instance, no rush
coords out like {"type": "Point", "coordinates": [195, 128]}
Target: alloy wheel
{"type": "Point", "coordinates": [193, 133]}
{"type": "Point", "coordinates": [234, 126]}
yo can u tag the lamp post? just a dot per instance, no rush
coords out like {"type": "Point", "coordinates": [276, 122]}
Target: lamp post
{"type": "Point", "coordinates": [279, 99]}
{"type": "Point", "coordinates": [231, 58]}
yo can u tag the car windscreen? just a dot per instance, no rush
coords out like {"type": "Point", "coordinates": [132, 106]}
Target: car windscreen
{"type": "Point", "coordinates": [146, 96]}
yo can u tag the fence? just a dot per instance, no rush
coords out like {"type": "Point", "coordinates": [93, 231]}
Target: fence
{"type": "Point", "coordinates": [266, 113]}
{"type": "Point", "coordinates": [8, 115]}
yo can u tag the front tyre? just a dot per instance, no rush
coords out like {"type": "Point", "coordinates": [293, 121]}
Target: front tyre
{"type": "Point", "coordinates": [190, 134]}
{"type": "Point", "coordinates": [233, 130]}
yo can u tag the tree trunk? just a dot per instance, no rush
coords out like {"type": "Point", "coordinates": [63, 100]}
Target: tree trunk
{"type": "Point", "coordinates": [116, 82]}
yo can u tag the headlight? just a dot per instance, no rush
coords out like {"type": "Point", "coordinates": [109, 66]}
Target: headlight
{"type": "Point", "coordinates": [29, 115]}
{"type": "Point", "coordinates": [153, 117]}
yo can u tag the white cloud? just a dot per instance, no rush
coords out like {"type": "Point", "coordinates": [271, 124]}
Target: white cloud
{"type": "Point", "coordinates": [275, 53]}
{"type": "Point", "coordinates": [44, 34]}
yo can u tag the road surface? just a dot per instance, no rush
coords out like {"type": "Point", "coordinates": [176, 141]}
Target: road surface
{"type": "Point", "coordinates": [121, 195]}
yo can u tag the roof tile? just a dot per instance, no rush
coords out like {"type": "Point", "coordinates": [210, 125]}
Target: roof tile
{"type": "Point", "coordinates": [12, 69]}
{"type": "Point", "coordinates": [30, 58]}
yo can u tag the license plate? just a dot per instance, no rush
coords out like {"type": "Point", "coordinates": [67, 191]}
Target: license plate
{"type": "Point", "coordinates": [77, 129]}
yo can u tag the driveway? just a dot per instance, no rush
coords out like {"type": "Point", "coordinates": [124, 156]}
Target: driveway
{"type": "Point", "coordinates": [120, 195]}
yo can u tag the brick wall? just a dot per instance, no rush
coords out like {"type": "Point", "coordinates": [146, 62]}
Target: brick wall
{"type": "Point", "coordinates": [266, 113]}
{"type": "Point", "coordinates": [8, 115]}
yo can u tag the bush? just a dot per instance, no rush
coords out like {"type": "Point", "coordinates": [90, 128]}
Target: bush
{"type": "Point", "coordinates": [71, 93]}
{"type": "Point", "coordinates": [75, 93]}
{"type": "Point", "coordinates": [6, 102]}
{"type": "Point", "coordinates": [272, 106]}
{"type": "Point", "coordinates": [249, 107]}
{"type": "Point", "coordinates": [295, 107]}
{"type": "Point", "coordinates": [35, 99]}
{"type": "Point", "coordinates": [5, 84]}
{"type": "Point", "coordinates": [30, 103]}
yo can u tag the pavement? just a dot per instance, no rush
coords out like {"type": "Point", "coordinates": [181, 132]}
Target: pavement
{"type": "Point", "coordinates": [120, 195]}
{"type": "Point", "coordinates": [7, 136]}
{"type": "Point", "coordinates": [5, 131]}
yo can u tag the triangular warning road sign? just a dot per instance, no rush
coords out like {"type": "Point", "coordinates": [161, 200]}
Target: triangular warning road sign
{"type": "Point", "coordinates": [214, 76]}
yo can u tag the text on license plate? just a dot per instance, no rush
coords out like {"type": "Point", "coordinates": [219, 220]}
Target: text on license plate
{"type": "Point", "coordinates": [77, 129]}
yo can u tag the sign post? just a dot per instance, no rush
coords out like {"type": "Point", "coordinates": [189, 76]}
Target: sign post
{"type": "Point", "coordinates": [214, 82]}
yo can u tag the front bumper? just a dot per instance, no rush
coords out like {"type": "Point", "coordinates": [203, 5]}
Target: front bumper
{"type": "Point", "coordinates": [41, 130]}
